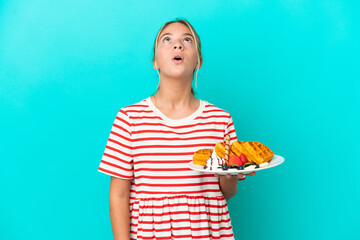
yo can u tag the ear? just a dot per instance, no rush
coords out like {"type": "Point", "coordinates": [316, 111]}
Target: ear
{"type": "Point", "coordinates": [155, 64]}
{"type": "Point", "coordinates": [201, 61]}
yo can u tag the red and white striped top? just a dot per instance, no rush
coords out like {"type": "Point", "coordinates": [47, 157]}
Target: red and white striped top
{"type": "Point", "coordinates": [168, 200]}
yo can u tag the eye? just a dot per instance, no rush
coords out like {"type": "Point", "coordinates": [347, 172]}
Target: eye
{"type": "Point", "coordinates": [165, 38]}
{"type": "Point", "coordinates": [190, 40]}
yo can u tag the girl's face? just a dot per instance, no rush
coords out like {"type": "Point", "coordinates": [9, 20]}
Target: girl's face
{"type": "Point", "coordinates": [176, 39]}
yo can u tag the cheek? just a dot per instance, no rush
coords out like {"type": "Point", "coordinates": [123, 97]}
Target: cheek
{"type": "Point", "coordinates": [163, 51]}
{"type": "Point", "coordinates": [194, 57]}
{"type": "Point", "coordinates": [162, 58]}
{"type": "Point", "coordinates": [193, 52]}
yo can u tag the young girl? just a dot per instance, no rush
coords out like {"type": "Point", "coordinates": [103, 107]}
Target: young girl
{"type": "Point", "coordinates": [151, 144]}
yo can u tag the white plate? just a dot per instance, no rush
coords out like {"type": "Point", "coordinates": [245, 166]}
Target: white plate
{"type": "Point", "coordinates": [275, 161]}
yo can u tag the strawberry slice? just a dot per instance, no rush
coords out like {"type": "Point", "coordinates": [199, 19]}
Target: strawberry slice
{"type": "Point", "coordinates": [234, 160]}
{"type": "Point", "coordinates": [243, 159]}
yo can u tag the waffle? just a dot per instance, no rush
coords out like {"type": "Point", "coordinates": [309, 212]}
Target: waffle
{"type": "Point", "coordinates": [236, 148]}
{"type": "Point", "coordinates": [201, 156]}
{"type": "Point", "coordinates": [256, 152]}
{"type": "Point", "coordinates": [220, 149]}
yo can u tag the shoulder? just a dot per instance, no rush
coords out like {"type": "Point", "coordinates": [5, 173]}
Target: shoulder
{"type": "Point", "coordinates": [215, 110]}
{"type": "Point", "coordinates": [126, 113]}
{"type": "Point", "coordinates": [138, 107]}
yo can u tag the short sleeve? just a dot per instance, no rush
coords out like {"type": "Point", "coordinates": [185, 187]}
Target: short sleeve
{"type": "Point", "coordinates": [230, 129]}
{"type": "Point", "coordinates": [117, 160]}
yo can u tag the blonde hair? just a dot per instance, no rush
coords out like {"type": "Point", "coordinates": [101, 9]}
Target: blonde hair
{"type": "Point", "coordinates": [197, 46]}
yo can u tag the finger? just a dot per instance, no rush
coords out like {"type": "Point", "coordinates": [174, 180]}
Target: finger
{"type": "Point", "coordinates": [240, 176]}
{"type": "Point", "coordinates": [228, 176]}
{"type": "Point", "coordinates": [251, 174]}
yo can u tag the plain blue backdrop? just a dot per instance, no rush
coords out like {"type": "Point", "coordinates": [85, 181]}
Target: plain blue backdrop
{"type": "Point", "coordinates": [287, 71]}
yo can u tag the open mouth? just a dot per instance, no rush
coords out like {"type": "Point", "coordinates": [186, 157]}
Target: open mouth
{"type": "Point", "coordinates": [177, 59]}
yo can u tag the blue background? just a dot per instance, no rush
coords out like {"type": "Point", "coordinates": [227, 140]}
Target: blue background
{"type": "Point", "coordinates": [287, 71]}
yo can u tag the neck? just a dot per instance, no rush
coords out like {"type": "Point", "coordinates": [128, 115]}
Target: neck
{"type": "Point", "coordinates": [174, 92]}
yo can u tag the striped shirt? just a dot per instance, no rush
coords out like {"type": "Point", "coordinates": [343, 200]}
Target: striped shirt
{"type": "Point", "coordinates": [168, 200]}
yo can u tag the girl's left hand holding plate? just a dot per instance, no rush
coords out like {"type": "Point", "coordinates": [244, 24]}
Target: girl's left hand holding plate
{"type": "Point", "coordinates": [239, 176]}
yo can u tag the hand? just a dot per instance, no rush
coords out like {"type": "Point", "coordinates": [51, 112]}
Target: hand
{"type": "Point", "coordinates": [236, 177]}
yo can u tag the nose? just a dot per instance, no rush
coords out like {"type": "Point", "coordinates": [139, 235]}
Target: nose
{"type": "Point", "coordinates": [177, 45]}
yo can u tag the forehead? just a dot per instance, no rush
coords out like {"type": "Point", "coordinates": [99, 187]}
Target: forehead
{"type": "Point", "coordinates": [176, 29]}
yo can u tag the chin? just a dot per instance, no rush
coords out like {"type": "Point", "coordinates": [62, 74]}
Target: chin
{"type": "Point", "coordinates": [179, 74]}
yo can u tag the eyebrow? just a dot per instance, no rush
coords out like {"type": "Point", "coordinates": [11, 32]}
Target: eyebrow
{"type": "Point", "coordinates": [185, 34]}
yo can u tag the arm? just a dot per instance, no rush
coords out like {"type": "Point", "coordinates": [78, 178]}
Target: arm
{"type": "Point", "coordinates": [119, 197]}
{"type": "Point", "coordinates": [228, 186]}
{"type": "Point", "coordinates": [229, 183]}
